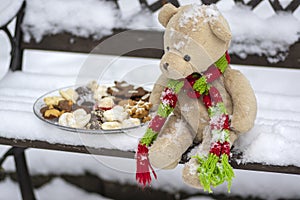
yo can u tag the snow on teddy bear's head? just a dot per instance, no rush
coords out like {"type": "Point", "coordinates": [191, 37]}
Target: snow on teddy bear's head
{"type": "Point", "coordinates": [196, 36]}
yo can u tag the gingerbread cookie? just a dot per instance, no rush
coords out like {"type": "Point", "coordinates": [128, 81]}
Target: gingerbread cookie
{"type": "Point", "coordinates": [139, 110]}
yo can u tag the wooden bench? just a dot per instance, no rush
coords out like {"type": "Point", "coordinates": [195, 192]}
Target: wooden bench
{"type": "Point", "coordinates": [61, 42]}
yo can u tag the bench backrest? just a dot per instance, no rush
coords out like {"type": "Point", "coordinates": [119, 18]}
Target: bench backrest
{"type": "Point", "coordinates": [61, 41]}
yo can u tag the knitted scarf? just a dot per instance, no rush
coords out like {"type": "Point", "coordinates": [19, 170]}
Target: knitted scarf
{"type": "Point", "coordinates": [214, 168]}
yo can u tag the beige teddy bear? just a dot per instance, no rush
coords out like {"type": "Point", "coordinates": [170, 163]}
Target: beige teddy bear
{"type": "Point", "coordinates": [195, 42]}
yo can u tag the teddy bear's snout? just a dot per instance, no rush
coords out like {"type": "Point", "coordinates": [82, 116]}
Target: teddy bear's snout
{"type": "Point", "coordinates": [165, 65]}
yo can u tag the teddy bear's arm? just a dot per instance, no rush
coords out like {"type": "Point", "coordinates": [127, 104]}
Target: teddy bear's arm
{"type": "Point", "coordinates": [243, 100]}
{"type": "Point", "coordinates": [159, 86]}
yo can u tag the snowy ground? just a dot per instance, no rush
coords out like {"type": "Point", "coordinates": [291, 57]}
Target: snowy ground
{"type": "Point", "coordinates": [274, 139]}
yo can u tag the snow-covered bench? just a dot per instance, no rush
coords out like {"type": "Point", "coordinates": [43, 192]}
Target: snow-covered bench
{"type": "Point", "coordinates": [21, 88]}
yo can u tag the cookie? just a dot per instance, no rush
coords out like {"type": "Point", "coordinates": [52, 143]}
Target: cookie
{"type": "Point", "coordinates": [44, 109]}
{"type": "Point", "coordinates": [69, 94]}
{"type": "Point", "coordinates": [126, 102]}
{"type": "Point", "coordinates": [93, 85]}
{"type": "Point", "coordinates": [105, 104]}
{"type": "Point", "coordinates": [77, 119]}
{"type": "Point", "coordinates": [83, 91]}
{"type": "Point", "coordinates": [52, 113]}
{"type": "Point", "coordinates": [100, 93]}
{"type": "Point", "coordinates": [117, 113]}
{"type": "Point", "coordinates": [139, 110]}
{"type": "Point", "coordinates": [65, 105]}
{"type": "Point", "coordinates": [52, 101]}
{"type": "Point", "coordinates": [131, 122]}
{"type": "Point", "coordinates": [111, 125]}
{"type": "Point", "coordinates": [86, 108]}
{"type": "Point", "coordinates": [94, 125]}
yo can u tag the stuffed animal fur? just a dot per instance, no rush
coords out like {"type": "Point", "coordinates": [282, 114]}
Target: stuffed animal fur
{"type": "Point", "coordinates": [196, 36]}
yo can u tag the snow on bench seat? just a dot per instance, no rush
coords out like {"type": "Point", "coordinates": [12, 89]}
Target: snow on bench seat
{"type": "Point", "coordinates": [19, 91]}
{"type": "Point", "coordinates": [272, 141]}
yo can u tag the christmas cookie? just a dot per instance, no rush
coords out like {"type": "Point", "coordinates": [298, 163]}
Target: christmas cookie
{"type": "Point", "coordinates": [76, 119]}
{"type": "Point", "coordinates": [117, 113]}
{"type": "Point", "coordinates": [131, 122]}
{"type": "Point", "coordinates": [52, 101]}
{"type": "Point", "coordinates": [69, 94]}
{"type": "Point", "coordinates": [106, 103]}
{"type": "Point", "coordinates": [111, 125]}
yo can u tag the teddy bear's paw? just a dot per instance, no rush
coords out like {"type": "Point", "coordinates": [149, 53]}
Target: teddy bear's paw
{"type": "Point", "coordinates": [190, 174]}
{"type": "Point", "coordinates": [164, 154]}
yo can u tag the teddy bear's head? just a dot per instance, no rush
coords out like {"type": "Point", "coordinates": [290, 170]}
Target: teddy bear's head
{"type": "Point", "coordinates": [196, 36]}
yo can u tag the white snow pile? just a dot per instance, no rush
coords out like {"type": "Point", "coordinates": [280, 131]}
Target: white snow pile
{"type": "Point", "coordinates": [252, 34]}
{"type": "Point", "coordinates": [8, 9]}
{"type": "Point", "coordinates": [271, 37]}
{"type": "Point", "coordinates": [94, 18]}
{"type": "Point", "coordinates": [275, 136]}
{"type": "Point", "coordinates": [91, 18]}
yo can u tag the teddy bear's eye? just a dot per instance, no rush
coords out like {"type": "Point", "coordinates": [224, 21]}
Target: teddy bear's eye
{"type": "Point", "coordinates": [168, 48]}
{"type": "Point", "coordinates": [187, 58]}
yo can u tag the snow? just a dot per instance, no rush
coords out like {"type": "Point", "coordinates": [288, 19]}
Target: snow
{"type": "Point", "coordinates": [250, 29]}
{"type": "Point", "coordinates": [94, 18]}
{"type": "Point", "coordinates": [59, 190]}
{"type": "Point", "coordinates": [70, 16]}
{"type": "Point", "coordinates": [273, 140]}
{"type": "Point", "coordinates": [8, 9]}
{"type": "Point", "coordinates": [278, 112]}
{"type": "Point", "coordinates": [277, 121]}
{"type": "Point", "coordinates": [190, 14]}
{"type": "Point", "coordinates": [252, 35]}
{"type": "Point", "coordinates": [5, 50]}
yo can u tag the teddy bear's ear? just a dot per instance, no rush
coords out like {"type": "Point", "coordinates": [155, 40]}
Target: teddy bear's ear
{"type": "Point", "coordinates": [221, 28]}
{"type": "Point", "coordinates": [166, 13]}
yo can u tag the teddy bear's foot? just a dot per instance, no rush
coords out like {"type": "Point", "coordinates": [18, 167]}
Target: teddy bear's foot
{"type": "Point", "coordinates": [174, 140]}
{"type": "Point", "coordinates": [163, 154]}
{"type": "Point", "coordinates": [190, 174]}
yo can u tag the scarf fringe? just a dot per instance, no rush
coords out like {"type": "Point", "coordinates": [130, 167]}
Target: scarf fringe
{"type": "Point", "coordinates": [214, 170]}
{"type": "Point", "coordinates": [143, 166]}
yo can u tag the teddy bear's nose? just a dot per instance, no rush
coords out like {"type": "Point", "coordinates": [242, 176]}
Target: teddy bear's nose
{"type": "Point", "coordinates": [166, 65]}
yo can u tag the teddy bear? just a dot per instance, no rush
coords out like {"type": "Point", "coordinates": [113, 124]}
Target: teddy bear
{"type": "Point", "coordinates": [199, 99]}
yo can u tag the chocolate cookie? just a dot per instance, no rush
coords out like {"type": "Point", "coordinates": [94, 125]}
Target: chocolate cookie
{"type": "Point", "coordinates": [65, 105]}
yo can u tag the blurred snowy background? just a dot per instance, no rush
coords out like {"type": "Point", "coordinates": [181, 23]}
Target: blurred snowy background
{"type": "Point", "coordinates": [277, 126]}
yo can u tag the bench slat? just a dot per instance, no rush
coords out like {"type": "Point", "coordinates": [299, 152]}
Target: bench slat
{"type": "Point", "coordinates": [129, 154]}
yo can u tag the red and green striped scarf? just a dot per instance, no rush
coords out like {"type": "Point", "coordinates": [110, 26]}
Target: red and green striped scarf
{"type": "Point", "coordinates": [214, 168]}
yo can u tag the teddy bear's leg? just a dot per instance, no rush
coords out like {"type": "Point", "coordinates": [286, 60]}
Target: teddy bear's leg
{"type": "Point", "coordinates": [243, 101]}
{"type": "Point", "coordinates": [174, 140]}
{"type": "Point", "coordinates": [190, 173]}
